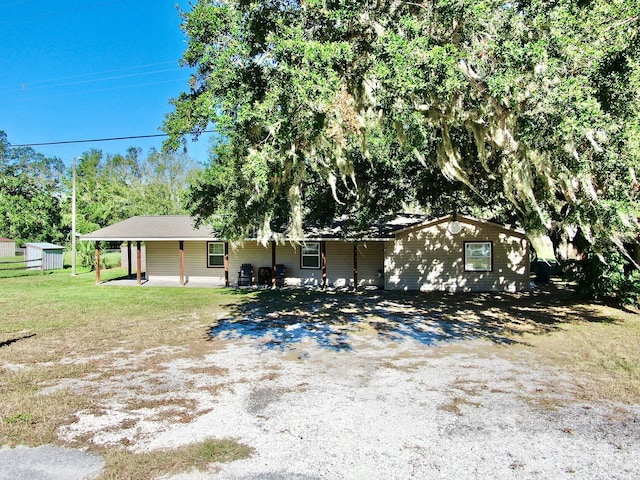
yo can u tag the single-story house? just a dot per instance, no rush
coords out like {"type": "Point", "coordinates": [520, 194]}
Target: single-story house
{"type": "Point", "coordinates": [411, 252]}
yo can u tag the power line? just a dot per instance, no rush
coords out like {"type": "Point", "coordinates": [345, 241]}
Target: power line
{"type": "Point", "coordinates": [26, 86]}
{"type": "Point", "coordinates": [110, 139]}
{"type": "Point", "coordinates": [92, 74]}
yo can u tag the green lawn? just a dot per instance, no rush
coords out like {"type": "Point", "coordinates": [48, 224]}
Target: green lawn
{"type": "Point", "coordinates": [57, 300]}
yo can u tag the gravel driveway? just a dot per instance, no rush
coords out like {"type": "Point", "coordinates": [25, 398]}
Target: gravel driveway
{"type": "Point", "coordinates": [343, 401]}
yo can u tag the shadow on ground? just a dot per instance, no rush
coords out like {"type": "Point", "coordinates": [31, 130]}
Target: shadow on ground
{"type": "Point", "coordinates": [280, 318]}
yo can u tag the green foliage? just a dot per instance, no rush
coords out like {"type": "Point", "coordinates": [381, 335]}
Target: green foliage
{"type": "Point", "coordinates": [607, 275]}
{"type": "Point", "coordinates": [111, 188]}
{"type": "Point", "coordinates": [85, 255]}
{"type": "Point", "coordinates": [527, 111]}
{"type": "Point", "coordinates": [629, 289]}
{"type": "Point", "coordinates": [29, 194]}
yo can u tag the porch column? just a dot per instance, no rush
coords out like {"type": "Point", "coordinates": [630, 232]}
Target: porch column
{"type": "Point", "coordinates": [323, 260]}
{"type": "Point", "coordinates": [129, 269]}
{"type": "Point", "coordinates": [97, 263]}
{"type": "Point", "coordinates": [273, 263]}
{"type": "Point", "coordinates": [139, 261]}
{"type": "Point", "coordinates": [226, 264]}
{"type": "Point", "coordinates": [181, 245]}
{"type": "Point", "coordinates": [355, 266]}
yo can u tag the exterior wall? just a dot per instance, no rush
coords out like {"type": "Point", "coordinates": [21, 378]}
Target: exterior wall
{"type": "Point", "coordinates": [163, 263]}
{"type": "Point", "coordinates": [7, 248]}
{"type": "Point", "coordinates": [163, 260]}
{"type": "Point", "coordinates": [431, 258]}
{"type": "Point", "coordinates": [43, 258]}
{"type": "Point", "coordinates": [370, 264]}
{"type": "Point", "coordinates": [124, 256]}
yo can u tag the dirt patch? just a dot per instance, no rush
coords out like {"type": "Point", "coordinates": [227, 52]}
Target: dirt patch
{"type": "Point", "coordinates": [359, 386]}
{"type": "Point", "coordinates": [327, 413]}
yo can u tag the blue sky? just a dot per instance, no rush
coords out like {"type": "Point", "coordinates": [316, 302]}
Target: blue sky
{"type": "Point", "coordinates": [89, 69]}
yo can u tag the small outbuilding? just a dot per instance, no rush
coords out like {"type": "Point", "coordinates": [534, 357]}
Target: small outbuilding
{"type": "Point", "coordinates": [7, 247]}
{"type": "Point", "coordinates": [43, 256]}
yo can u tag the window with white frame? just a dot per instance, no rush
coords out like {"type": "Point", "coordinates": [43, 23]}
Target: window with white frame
{"type": "Point", "coordinates": [478, 256]}
{"type": "Point", "coordinates": [310, 255]}
{"type": "Point", "coordinates": [215, 254]}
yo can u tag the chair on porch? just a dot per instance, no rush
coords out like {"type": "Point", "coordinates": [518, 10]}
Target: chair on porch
{"type": "Point", "coordinates": [245, 275]}
{"type": "Point", "coordinates": [281, 271]}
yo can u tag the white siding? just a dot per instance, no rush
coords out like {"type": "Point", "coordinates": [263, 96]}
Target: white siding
{"type": "Point", "coordinates": [44, 257]}
{"type": "Point", "coordinates": [370, 262]}
{"type": "Point", "coordinates": [431, 258]}
{"type": "Point", "coordinates": [163, 262]}
{"type": "Point", "coordinates": [7, 248]}
{"type": "Point", "coordinates": [124, 256]}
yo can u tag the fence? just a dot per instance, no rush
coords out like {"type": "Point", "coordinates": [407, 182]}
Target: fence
{"type": "Point", "coordinates": [24, 264]}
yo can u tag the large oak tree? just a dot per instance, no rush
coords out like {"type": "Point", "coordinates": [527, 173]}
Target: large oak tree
{"type": "Point", "coordinates": [526, 109]}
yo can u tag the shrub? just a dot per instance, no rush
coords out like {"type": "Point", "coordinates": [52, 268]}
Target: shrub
{"type": "Point", "coordinates": [602, 276]}
{"type": "Point", "coordinates": [629, 293]}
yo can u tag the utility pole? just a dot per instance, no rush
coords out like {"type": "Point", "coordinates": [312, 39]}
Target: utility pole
{"type": "Point", "coordinates": [73, 218]}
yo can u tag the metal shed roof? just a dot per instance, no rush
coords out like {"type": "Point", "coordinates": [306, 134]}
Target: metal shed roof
{"type": "Point", "coordinates": [44, 246]}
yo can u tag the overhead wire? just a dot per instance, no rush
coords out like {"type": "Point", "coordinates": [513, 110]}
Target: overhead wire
{"type": "Point", "coordinates": [90, 74]}
{"type": "Point", "coordinates": [96, 140]}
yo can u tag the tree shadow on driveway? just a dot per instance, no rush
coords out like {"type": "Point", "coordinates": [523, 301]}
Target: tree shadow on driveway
{"type": "Point", "coordinates": [333, 319]}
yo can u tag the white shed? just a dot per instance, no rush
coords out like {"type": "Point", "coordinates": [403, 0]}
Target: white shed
{"type": "Point", "coordinates": [43, 256]}
{"type": "Point", "coordinates": [7, 247]}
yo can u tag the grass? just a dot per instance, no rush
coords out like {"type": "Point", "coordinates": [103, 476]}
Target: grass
{"type": "Point", "coordinates": [121, 464]}
{"type": "Point", "coordinates": [56, 328]}
{"type": "Point", "coordinates": [50, 324]}
{"type": "Point", "coordinates": [604, 354]}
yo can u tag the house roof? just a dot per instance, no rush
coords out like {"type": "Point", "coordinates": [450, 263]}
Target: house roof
{"type": "Point", "coordinates": [427, 222]}
{"type": "Point", "coordinates": [5, 239]}
{"type": "Point", "coordinates": [147, 228]}
{"type": "Point", "coordinates": [182, 227]}
{"type": "Point", "coordinates": [384, 229]}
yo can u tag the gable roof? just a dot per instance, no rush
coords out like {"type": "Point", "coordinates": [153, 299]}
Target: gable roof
{"type": "Point", "coordinates": [461, 218]}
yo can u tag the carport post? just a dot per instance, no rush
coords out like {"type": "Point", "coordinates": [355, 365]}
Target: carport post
{"type": "Point", "coordinates": [226, 264]}
{"type": "Point", "coordinates": [139, 261]}
{"type": "Point", "coordinates": [182, 263]}
{"type": "Point", "coordinates": [355, 266]}
{"type": "Point", "coordinates": [97, 263]}
{"type": "Point", "coordinates": [273, 263]}
{"type": "Point", "coordinates": [323, 259]}
{"type": "Point", "coordinates": [129, 270]}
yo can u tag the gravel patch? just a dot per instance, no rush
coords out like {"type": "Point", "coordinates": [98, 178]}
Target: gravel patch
{"type": "Point", "coordinates": [362, 403]}
{"type": "Point", "coordinates": [381, 409]}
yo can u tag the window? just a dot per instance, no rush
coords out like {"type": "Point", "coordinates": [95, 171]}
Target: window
{"type": "Point", "coordinates": [215, 254]}
{"type": "Point", "coordinates": [310, 255]}
{"type": "Point", "coordinates": [478, 256]}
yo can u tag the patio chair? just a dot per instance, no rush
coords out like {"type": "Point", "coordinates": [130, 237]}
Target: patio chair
{"type": "Point", "coordinates": [245, 275]}
{"type": "Point", "coordinates": [281, 271]}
